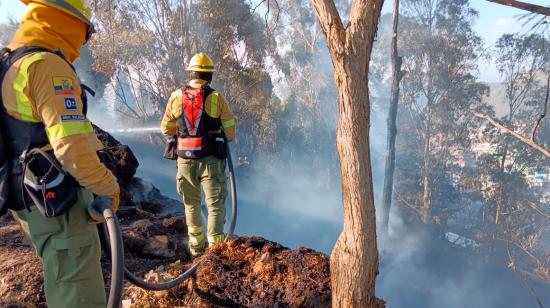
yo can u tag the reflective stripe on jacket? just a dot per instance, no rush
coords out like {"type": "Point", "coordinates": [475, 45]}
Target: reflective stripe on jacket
{"type": "Point", "coordinates": [215, 106]}
{"type": "Point", "coordinates": [43, 88]}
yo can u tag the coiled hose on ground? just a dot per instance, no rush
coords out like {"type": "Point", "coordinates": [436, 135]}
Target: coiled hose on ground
{"type": "Point", "coordinates": [116, 250]}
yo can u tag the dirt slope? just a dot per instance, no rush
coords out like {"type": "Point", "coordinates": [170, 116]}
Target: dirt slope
{"type": "Point", "coordinates": [20, 270]}
{"type": "Point", "coordinates": [245, 272]}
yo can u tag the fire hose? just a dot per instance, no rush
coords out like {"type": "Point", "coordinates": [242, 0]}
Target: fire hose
{"type": "Point", "coordinates": [115, 250]}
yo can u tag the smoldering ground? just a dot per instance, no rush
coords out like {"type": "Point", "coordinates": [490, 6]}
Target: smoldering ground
{"type": "Point", "coordinates": [296, 201]}
{"type": "Point", "coordinates": [419, 268]}
{"type": "Point", "coordinates": [299, 206]}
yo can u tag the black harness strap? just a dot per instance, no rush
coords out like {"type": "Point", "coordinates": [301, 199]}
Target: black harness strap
{"type": "Point", "coordinates": [7, 59]}
{"type": "Point", "coordinates": [7, 169]}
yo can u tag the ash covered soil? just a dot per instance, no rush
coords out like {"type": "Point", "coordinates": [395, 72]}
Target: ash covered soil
{"type": "Point", "coordinates": [244, 272]}
{"type": "Point", "coordinates": [21, 283]}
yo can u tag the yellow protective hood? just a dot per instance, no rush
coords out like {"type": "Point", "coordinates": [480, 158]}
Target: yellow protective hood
{"type": "Point", "coordinates": [51, 28]}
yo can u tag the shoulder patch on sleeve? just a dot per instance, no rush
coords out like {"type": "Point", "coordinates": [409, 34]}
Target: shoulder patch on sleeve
{"type": "Point", "coordinates": [73, 117]}
{"type": "Point", "coordinates": [70, 103]}
{"type": "Point", "coordinates": [63, 85]}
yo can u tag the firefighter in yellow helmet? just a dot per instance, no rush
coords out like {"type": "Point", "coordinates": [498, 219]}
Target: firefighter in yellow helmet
{"type": "Point", "coordinates": [202, 122]}
{"type": "Point", "coordinates": [43, 108]}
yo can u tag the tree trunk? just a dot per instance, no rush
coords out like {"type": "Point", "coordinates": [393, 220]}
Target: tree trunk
{"type": "Point", "coordinates": [354, 260]}
{"type": "Point", "coordinates": [499, 202]}
{"type": "Point", "coordinates": [506, 141]}
{"type": "Point", "coordinates": [504, 156]}
{"type": "Point", "coordinates": [544, 110]}
{"type": "Point", "coordinates": [392, 120]}
{"type": "Point", "coordinates": [426, 190]}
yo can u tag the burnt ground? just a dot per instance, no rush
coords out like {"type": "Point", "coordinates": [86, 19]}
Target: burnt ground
{"type": "Point", "coordinates": [245, 272]}
{"type": "Point", "coordinates": [20, 285]}
{"type": "Point", "coordinates": [149, 242]}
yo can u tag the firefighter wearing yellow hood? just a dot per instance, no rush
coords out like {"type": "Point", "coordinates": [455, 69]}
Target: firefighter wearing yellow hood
{"type": "Point", "coordinates": [42, 92]}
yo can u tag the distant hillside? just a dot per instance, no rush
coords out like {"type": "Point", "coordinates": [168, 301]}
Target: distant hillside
{"type": "Point", "coordinates": [497, 96]}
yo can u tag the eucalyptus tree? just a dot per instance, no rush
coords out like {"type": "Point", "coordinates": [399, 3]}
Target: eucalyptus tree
{"type": "Point", "coordinates": [440, 54]}
{"type": "Point", "coordinates": [522, 61]}
{"type": "Point", "coordinates": [354, 259]}
{"type": "Point", "coordinates": [144, 46]}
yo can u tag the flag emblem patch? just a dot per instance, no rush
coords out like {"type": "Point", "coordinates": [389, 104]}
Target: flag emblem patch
{"type": "Point", "coordinates": [63, 86]}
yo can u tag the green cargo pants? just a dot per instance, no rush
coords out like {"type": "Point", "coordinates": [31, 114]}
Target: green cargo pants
{"type": "Point", "coordinates": [208, 172]}
{"type": "Point", "coordinates": [70, 252]}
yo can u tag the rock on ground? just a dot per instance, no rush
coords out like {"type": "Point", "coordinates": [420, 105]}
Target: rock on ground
{"type": "Point", "coordinates": [147, 197]}
{"type": "Point", "coordinates": [120, 159]}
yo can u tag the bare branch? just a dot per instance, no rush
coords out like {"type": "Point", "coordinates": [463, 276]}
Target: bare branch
{"type": "Point", "coordinates": [543, 114]}
{"type": "Point", "coordinates": [537, 209]}
{"type": "Point", "coordinates": [266, 16]}
{"type": "Point", "coordinates": [533, 8]}
{"type": "Point", "coordinates": [399, 197]}
{"type": "Point", "coordinates": [523, 276]}
{"type": "Point", "coordinates": [522, 138]}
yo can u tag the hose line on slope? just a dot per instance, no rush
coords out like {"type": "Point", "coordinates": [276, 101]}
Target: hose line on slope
{"type": "Point", "coordinates": [117, 258]}
{"type": "Point", "coordinates": [134, 279]}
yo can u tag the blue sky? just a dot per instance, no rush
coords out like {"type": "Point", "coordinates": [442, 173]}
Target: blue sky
{"type": "Point", "coordinates": [494, 20]}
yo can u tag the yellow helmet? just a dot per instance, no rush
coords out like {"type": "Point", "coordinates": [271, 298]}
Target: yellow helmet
{"type": "Point", "coordinates": [201, 63]}
{"type": "Point", "coordinates": [81, 9]}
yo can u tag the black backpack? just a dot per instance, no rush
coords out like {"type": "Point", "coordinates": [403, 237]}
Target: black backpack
{"type": "Point", "coordinates": [7, 59]}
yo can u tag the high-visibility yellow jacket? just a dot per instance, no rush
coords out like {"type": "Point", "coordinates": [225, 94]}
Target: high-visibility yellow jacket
{"type": "Point", "coordinates": [215, 106]}
{"type": "Point", "coordinates": [42, 87]}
